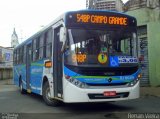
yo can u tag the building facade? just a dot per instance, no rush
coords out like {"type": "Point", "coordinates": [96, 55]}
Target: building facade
{"type": "Point", "coordinates": [147, 13]}
{"type": "Point", "coordinates": [6, 63]}
{"type": "Point", "coordinates": [14, 39]}
{"type": "Point", "coordinates": [113, 5]}
{"type": "Point", "coordinates": [138, 4]}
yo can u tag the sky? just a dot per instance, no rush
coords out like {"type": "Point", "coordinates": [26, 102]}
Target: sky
{"type": "Point", "coordinates": [29, 16]}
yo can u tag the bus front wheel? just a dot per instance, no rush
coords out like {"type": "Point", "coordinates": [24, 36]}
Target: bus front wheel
{"type": "Point", "coordinates": [47, 96]}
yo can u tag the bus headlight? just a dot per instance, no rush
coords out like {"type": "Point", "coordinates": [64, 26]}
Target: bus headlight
{"type": "Point", "coordinates": [75, 82]}
{"type": "Point", "coordinates": [134, 82]}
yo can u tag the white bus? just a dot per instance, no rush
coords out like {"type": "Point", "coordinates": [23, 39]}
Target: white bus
{"type": "Point", "coordinates": [83, 56]}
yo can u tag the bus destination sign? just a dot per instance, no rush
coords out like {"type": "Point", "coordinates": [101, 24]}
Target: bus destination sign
{"type": "Point", "coordinates": [101, 19]}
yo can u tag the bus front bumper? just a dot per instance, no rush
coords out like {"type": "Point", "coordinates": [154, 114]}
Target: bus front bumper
{"type": "Point", "coordinates": [73, 94]}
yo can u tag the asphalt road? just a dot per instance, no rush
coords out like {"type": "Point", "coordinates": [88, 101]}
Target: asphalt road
{"type": "Point", "coordinates": [14, 104]}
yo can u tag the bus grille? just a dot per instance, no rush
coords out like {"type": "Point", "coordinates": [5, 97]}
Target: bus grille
{"type": "Point", "coordinates": [111, 84]}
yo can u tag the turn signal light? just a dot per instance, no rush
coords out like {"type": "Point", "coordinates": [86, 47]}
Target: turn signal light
{"type": "Point", "coordinates": [139, 76]}
{"type": "Point", "coordinates": [48, 64]}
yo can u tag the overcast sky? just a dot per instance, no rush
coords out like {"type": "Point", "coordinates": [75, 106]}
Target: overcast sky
{"type": "Point", "coordinates": [28, 16]}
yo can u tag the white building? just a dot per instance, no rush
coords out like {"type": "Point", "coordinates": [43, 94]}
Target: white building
{"type": "Point", "coordinates": [14, 39]}
{"type": "Point", "coordinates": [113, 5]}
{"type": "Point", "coordinates": [6, 63]}
{"type": "Point", "coordinates": [147, 13]}
{"type": "Point", "coordinates": [138, 4]}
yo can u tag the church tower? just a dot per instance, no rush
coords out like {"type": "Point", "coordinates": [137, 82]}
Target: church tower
{"type": "Point", "coordinates": [14, 39]}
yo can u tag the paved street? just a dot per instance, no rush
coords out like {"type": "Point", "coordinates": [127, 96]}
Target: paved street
{"type": "Point", "coordinates": [11, 101]}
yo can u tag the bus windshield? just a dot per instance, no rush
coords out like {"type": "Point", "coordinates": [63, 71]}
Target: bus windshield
{"type": "Point", "coordinates": [83, 46]}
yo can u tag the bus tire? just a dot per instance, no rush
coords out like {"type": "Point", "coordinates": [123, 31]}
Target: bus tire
{"type": "Point", "coordinates": [22, 90]}
{"type": "Point", "coordinates": [46, 94]}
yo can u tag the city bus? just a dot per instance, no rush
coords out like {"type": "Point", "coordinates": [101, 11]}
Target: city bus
{"type": "Point", "coordinates": [82, 56]}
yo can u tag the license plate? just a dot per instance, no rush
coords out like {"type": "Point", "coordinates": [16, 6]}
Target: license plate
{"type": "Point", "coordinates": [109, 93]}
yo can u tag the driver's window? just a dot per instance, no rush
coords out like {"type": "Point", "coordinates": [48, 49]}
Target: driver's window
{"type": "Point", "coordinates": [125, 46]}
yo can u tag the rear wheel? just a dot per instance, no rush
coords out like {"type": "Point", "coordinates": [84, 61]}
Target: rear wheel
{"type": "Point", "coordinates": [22, 90]}
{"type": "Point", "coordinates": [47, 96]}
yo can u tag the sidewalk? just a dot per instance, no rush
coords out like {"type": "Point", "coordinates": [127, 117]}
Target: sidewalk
{"type": "Point", "coordinates": [150, 91]}
{"type": "Point", "coordinates": [6, 82]}
{"type": "Point", "coordinates": [144, 91]}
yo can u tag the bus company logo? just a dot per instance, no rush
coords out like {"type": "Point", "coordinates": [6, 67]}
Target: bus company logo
{"type": "Point", "coordinates": [39, 70]}
{"type": "Point", "coordinates": [110, 80]}
{"type": "Point", "coordinates": [127, 77]}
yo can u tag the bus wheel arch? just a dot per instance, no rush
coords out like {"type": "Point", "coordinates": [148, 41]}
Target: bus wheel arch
{"type": "Point", "coordinates": [45, 93]}
{"type": "Point", "coordinates": [45, 80]}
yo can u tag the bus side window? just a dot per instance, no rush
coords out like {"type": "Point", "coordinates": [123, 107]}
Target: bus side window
{"type": "Point", "coordinates": [21, 54]}
{"type": "Point", "coordinates": [48, 45]}
{"type": "Point", "coordinates": [24, 53]}
{"type": "Point", "coordinates": [44, 48]}
{"type": "Point", "coordinates": [15, 57]}
{"type": "Point", "coordinates": [41, 43]}
{"type": "Point", "coordinates": [34, 50]}
{"type": "Point", "coordinates": [37, 48]}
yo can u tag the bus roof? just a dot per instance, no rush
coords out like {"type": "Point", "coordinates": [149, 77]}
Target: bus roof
{"type": "Point", "coordinates": [108, 11]}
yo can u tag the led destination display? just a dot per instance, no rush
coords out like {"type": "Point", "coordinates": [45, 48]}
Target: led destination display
{"type": "Point", "coordinates": [99, 19]}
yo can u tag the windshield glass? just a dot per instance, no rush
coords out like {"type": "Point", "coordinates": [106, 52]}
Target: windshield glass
{"type": "Point", "coordinates": [84, 46]}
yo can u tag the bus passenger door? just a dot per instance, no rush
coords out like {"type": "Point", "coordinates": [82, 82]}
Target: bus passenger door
{"type": "Point", "coordinates": [57, 64]}
{"type": "Point", "coordinates": [28, 67]}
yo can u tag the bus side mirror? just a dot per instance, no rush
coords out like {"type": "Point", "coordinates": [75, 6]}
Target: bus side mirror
{"type": "Point", "coordinates": [62, 37]}
{"type": "Point", "coordinates": [62, 34]}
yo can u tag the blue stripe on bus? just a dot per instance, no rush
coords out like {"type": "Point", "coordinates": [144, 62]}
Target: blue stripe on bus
{"type": "Point", "coordinates": [36, 75]}
{"type": "Point", "coordinates": [101, 79]}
